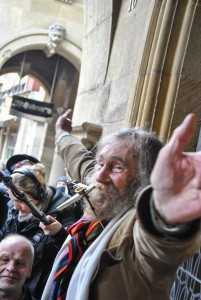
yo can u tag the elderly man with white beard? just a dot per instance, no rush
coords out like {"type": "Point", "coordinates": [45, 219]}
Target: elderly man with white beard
{"type": "Point", "coordinates": [144, 238]}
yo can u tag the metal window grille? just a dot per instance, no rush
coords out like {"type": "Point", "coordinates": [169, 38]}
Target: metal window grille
{"type": "Point", "coordinates": [187, 285]}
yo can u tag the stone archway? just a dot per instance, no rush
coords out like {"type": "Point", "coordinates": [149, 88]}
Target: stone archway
{"type": "Point", "coordinates": [65, 89]}
{"type": "Point", "coordinates": [37, 40]}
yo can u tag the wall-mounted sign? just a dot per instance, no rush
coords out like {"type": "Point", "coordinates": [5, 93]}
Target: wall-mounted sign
{"type": "Point", "coordinates": [31, 109]}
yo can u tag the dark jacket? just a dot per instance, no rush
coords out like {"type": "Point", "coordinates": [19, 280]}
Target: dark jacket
{"type": "Point", "coordinates": [4, 198]}
{"type": "Point", "coordinates": [45, 246]}
{"type": "Point", "coordinates": [26, 294]}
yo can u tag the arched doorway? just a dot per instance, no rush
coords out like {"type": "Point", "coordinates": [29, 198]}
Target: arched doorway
{"type": "Point", "coordinates": [59, 78]}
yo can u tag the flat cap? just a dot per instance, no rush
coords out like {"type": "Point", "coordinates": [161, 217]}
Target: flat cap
{"type": "Point", "coordinates": [18, 158]}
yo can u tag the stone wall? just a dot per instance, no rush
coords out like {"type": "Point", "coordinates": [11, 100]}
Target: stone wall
{"type": "Point", "coordinates": [137, 64]}
{"type": "Point", "coordinates": [113, 48]}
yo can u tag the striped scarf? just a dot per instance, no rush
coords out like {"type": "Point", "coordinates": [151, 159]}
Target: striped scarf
{"type": "Point", "coordinates": [83, 233]}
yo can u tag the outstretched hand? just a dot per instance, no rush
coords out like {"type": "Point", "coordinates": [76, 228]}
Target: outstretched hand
{"type": "Point", "coordinates": [64, 123]}
{"type": "Point", "coordinates": [176, 177]}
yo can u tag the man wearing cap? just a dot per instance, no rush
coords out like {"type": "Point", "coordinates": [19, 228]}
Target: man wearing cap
{"type": "Point", "coordinates": [61, 184]}
{"type": "Point", "coordinates": [18, 160]}
{"type": "Point", "coordinates": [66, 187]}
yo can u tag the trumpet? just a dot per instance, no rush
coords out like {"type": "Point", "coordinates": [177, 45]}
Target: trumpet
{"type": "Point", "coordinates": [81, 191]}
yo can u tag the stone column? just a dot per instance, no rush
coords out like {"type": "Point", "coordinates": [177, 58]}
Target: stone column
{"type": "Point", "coordinates": [57, 169]}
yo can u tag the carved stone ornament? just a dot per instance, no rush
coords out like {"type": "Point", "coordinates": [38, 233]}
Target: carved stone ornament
{"type": "Point", "coordinates": [55, 37]}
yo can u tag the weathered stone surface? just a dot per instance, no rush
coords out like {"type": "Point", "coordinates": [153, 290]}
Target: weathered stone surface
{"type": "Point", "coordinates": [138, 67]}
{"type": "Point", "coordinates": [113, 48]}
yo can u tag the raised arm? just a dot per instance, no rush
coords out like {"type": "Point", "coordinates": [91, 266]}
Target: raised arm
{"type": "Point", "coordinates": [176, 178]}
{"type": "Point", "coordinates": [78, 160]}
{"type": "Point", "coordinates": [63, 123]}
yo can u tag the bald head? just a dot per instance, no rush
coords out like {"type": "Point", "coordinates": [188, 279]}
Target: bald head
{"type": "Point", "coordinates": [16, 260]}
{"type": "Point", "coordinates": [19, 242]}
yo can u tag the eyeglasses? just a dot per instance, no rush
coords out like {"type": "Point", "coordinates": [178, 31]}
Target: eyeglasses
{"type": "Point", "coordinates": [21, 163]}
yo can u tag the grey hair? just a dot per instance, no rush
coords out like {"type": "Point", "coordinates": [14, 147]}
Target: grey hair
{"type": "Point", "coordinates": [145, 144]}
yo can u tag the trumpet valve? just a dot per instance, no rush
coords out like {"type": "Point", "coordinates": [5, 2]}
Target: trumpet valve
{"type": "Point", "coordinates": [79, 189]}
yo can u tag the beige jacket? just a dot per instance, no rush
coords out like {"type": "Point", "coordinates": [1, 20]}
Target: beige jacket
{"type": "Point", "coordinates": [137, 263]}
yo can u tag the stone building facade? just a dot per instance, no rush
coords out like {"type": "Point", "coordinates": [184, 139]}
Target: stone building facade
{"type": "Point", "coordinates": [122, 62]}
{"type": "Point", "coordinates": [117, 63]}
